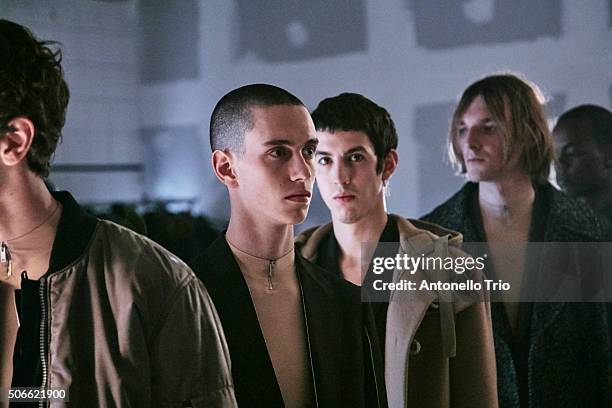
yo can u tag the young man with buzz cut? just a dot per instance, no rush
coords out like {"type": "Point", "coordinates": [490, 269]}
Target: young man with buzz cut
{"type": "Point", "coordinates": [87, 307]}
{"type": "Point", "coordinates": [432, 357]}
{"type": "Point", "coordinates": [295, 332]}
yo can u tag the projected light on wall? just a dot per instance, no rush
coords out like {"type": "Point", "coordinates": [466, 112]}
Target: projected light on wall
{"type": "Point", "coordinates": [170, 38]}
{"type": "Point", "coordinates": [174, 162]}
{"type": "Point", "coordinates": [557, 104]}
{"type": "Point", "coordinates": [442, 24]}
{"type": "Point", "coordinates": [284, 31]}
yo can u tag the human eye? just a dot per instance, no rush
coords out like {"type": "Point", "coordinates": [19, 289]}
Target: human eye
{"type": "Point", "coordinates": [308, 151]}
{"type": "Point", "coordinates": [490, 127]}
{"type": "Point", "coordinates": [277, 152]}
{"type": "Point", "coordinates": [356, 157]}
{"type": "Point", "coordinates": [324, 160]}
{"type": "Point", "coordinates": [572, 152]}
{"type": "Point", "coordinates": [461, 130]}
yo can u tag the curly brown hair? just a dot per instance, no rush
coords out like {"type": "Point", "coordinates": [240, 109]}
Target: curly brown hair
{"type": "Point", "coordinates": [32, 86]}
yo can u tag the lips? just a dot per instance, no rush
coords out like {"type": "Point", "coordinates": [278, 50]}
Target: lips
{"type": "Point", "coordinates": [475, 160]}
{"type": "Point", "coordinates": [301, 196]}
{"type": "Point", "coordinates": [344, 197]}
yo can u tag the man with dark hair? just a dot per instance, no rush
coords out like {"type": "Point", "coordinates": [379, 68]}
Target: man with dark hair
{"type": "Point", "coordinates": [295, 332]}
{"type": "Point", "coordinates": [87, 306]}
{"type": "Point", "coordinates": [499, 139]}
{"type": "Point", "coordinates": [432, 358]}
{"type": "Point", "coordinates": [583, 146]}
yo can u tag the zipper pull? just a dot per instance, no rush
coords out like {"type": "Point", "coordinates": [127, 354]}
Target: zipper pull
{"type": "Point", "coordinates": [270, 270]}
{"type": "Point", "coordinates": [5, 257]}
{"type": "Point", "coordinates": [3, 252]}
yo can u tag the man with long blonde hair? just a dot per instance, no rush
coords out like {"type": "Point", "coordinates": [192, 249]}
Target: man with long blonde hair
{"type": "Point", "coordinates": [499, 140]}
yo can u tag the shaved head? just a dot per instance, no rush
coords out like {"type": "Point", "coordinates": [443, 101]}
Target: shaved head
{"type": "Point", "coordinates": [232, 117]}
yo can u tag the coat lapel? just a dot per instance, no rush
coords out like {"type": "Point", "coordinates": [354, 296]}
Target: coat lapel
{"type": "Point", "coordinates": [254, 378]}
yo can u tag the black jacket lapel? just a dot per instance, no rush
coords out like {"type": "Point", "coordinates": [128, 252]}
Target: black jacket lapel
{"type": "Point", "coordinates": [254, 378]}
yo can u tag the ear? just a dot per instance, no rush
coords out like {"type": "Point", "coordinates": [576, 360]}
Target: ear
{"type": "Point", "coordinates": [16, 142]}
{"type": "Point", "coordinates": [389, 165]}
{"type": "Point", "coordinates": [222, 163]}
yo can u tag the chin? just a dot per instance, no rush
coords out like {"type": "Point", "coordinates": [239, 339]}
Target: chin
{"type": "Point", "coordinates": [296, 217]}
{"type": "Point", "coordinates": [348, 218]}
{"type": "Point", "coordinates": [474, 178]}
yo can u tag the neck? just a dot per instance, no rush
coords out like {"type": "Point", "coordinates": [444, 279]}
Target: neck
{"type": "Point", "coordinates": [507, 198]}
{"type": "Point", "coordinates": [24, 203]}
{"type": "Point", "coordinates": [367, 229]}
{"type": "Point", "coordinates": [258, 238]}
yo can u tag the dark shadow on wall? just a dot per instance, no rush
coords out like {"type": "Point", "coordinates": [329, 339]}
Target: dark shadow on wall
{"type": "Point", "coordinates": [442, 24]}
{"type": "Point", "coordinates": [284, 31]}
{"type": "Point", "coordinates": [169, 38]}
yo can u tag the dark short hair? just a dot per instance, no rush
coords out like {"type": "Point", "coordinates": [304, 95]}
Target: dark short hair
{"type": "Point", "coordinates": [32, 86]}
{"type": "Point", "coordinates": [525, 131]}
{"type": "Point", "coordinates": [232, 116]}
{"type": "Point", "coordinates": [355, 112]}
{"type": "Point", "coordinates": [597, 116]}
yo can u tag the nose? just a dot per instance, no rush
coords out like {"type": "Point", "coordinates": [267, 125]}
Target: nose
{"type": "Point", "coordinates": [340, 175]}
{"type": "Point", "coordinates": [301, 169]}
{"type": "Point", "coordinates": [472, 138]}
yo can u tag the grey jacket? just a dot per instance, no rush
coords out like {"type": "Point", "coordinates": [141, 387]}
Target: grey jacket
{"type": "Point", "coordinates": [126, 323]}
{"type": "Point", "coordinates": [564, 358]}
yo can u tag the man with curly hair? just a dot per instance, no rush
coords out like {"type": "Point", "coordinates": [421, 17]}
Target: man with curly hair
{"type": "Point", "coordinates": [86, 305]}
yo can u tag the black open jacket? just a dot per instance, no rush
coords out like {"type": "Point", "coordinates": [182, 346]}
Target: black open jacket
{"type": "Point", "coordinates": [341, 353]}
{"type": "Point", "coordinates": [561, 355]}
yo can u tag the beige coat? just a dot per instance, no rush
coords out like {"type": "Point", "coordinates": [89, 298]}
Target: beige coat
{"type": "Point", "coordinates": [447, 347]}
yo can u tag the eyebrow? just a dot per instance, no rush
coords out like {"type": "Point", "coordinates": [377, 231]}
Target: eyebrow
{"type": "Point", "coordinates": [487, 119]}
{"type": "Point", "coordinates": [286, 142]}
{"type": "Point", "coordinates": [350, 151]}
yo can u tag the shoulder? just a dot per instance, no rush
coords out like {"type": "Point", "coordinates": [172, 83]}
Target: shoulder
{"type": "Point", "coordinates": [410, 227]}
{"type": "Point", "coordinates": [307, 243]}
{"type": "Point", "coordinates": [213, 264]}
{"type": "Point", "coordinates": [331, 284]}
{"type": "Point", "coordinates": [138, 257]}
{"type": "Point", "coordinates": [571, 220]}
{"type": "Point", "coordinates": [452, 211]}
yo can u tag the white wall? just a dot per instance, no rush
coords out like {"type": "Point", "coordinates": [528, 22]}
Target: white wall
{"type": "Point", "coordinates": [102, 125]}
{"type": "Point", "coordinates": [406, 55]}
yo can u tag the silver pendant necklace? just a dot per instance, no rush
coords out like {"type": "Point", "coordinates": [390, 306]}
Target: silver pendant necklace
{"type": "Point", "coordinates": [5, 252]}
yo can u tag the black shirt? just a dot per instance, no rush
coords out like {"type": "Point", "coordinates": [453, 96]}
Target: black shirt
{"type": "Point", "coordinates": [519, 341]}
{"type": "Point", "coordinates": [329, 258]}
{"type": "Point", "coordinates": [26, 357]}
